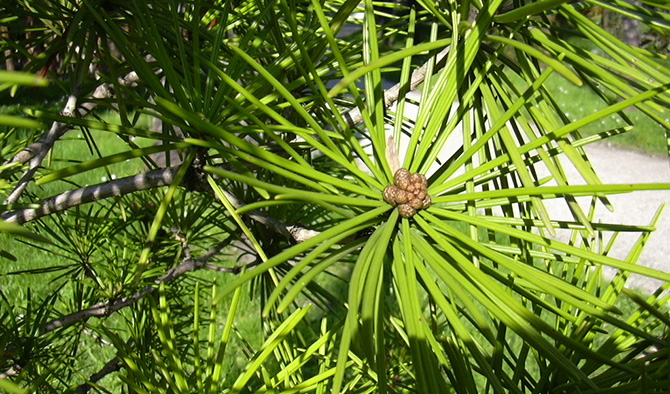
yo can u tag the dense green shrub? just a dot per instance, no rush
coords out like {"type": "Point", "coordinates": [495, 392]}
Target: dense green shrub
{"type": "Point", "coordinates": [217, 206]}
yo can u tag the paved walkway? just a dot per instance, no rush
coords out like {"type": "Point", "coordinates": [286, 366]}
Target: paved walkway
{"type": "Point", "coordinates": [615, 165]}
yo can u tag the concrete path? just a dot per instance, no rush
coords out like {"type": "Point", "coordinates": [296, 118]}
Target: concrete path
{"type": "Point", "coordinates": [615, 165]}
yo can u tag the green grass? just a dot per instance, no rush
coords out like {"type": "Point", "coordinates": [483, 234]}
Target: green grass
{"type": "Point", "coordinates": [78, 146]}
{"type": "Point", "coordinates": [74, 147]}
{"type": "Point", "coordinates": [27, 257]}
{"type": "Point", "coordinates": [646, 135]}
{"type": "Point", "coordinates": [578, 102]}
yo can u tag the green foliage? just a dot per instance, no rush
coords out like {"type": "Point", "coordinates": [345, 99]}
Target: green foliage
{"type": "Point", "coordinates": [245, 244]}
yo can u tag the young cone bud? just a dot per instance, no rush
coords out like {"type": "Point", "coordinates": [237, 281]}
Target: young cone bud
{"type": "Point", "coordinates": [406, 210]}
{"type": "Point", "coordinates": [410, 193]}
{"type": "Point", "coordinates": [390, 194]}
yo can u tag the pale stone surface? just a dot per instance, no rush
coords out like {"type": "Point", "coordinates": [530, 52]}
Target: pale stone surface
{"type": "Point", "coordinates": [615, 166]}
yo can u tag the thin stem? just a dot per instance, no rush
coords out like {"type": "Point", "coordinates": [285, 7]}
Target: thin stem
{"type": "Point", "coordinates": [391, 95]}
{"type": "Point", "coordinates": [112, 365]}
{"type": "Point", "coordinates": [106, 308]}
{"type": "Point", "coordinates": [36, 152]}
{"type": "Point", "coordinates": [115, 188]}
{"type": "Point", "coordinates": [145, 181]}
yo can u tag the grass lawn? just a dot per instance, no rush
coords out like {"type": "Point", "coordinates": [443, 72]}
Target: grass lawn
{"type": "Point", "coordinates": [577, 102]}
{"type": "Point", "coordinates": [75, 147]}
{"type": "Point", "coordinates": [51, 265]}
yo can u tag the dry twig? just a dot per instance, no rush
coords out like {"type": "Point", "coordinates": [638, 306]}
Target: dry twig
{"type": "Point", "coordinates": [145, 181]}
{"type": "Point", "coordinates": [112, 365]}
{"type": "Point", "coordinates": [114, 188]}
{"type": "Point", "coordinates": [36, 152]}
{"type": "Point", "coordinates": [106, 308]}
{"type": "Point", "coordinates": [354, 116]}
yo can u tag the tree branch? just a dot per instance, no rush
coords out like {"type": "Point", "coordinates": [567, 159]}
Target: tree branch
{"type": "Point", "coordinates": [145, 181]}
{"type": "Point", "coordinates": [112, 365]}
{"type": "Point", "coordinates": [36, 152]}
{"type": "Point", "coordinates": [354, 116]}
{"type": "Point", "coordinates": [104, 309]}
{"type": "Point", "coordinates": [114, 188]}
{"type": "Point", "coordinates": [160, 177]}
{"type": "Point", "coordinates": [13, 371]}
{"type": "Point", "coordinates": [297, 233]}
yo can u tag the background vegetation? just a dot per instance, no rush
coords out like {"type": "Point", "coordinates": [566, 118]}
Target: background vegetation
{"type": "Point", "coordinates": [201, 189]}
